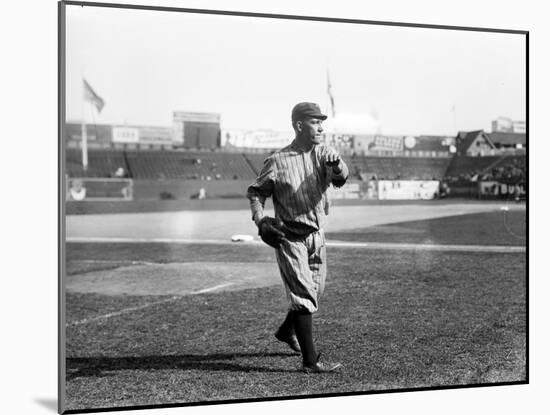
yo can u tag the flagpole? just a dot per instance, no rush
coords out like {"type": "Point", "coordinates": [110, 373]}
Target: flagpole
{"type": "Point", "coordinates": [84, 147]}
{"type": "Point", "coordinates": [91, 96]}
{"type": "Point", "coordinates": [453, 109]}
{"type": "Point", "coordinates": [84, 142]}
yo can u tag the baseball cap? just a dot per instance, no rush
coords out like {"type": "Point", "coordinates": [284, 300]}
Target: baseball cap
{"type": "Point", "coordinates": [307, 109]}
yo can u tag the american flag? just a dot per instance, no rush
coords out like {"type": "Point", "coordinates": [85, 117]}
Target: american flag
{"type": "Point", "coordinates": [90, 95]}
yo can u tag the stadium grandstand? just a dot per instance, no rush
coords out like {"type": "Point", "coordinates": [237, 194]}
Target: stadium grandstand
{"type": "Point", "coordinates": [190, 165]}
{"type": "Point", "coordinates": [464, 168]}
{"type": "Point", "coordinates": [461, 163]}
{"type": "Point", "coordinates": [101, 162]}
{"type": "Point", "coordinates": [397, 168]}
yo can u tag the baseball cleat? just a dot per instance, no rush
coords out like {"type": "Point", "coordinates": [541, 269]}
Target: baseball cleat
{"type": "Point", "coordinates": [289, 339]}
{"type": "Point", "coordinates": [321, 367]}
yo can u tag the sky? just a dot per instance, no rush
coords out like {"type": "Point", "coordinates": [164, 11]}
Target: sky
{"type": "Point", "coordinates": [391, 80]}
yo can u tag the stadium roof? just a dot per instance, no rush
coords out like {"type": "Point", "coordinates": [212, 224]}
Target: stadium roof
{"type": "Point", "coordinates": [508, 138]}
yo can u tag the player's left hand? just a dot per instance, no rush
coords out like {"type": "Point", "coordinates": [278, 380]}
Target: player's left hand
{"type": "Point", "coordinates": [332, 158]}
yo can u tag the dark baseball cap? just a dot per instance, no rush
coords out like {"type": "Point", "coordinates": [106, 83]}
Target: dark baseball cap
{"type": "Point", "coordinates": [307, 109]}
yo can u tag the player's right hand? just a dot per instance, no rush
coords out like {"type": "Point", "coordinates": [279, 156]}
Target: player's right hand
{"type": "Point", "coordinates": [332, 158]}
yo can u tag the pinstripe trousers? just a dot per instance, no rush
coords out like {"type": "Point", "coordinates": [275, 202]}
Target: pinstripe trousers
{"type": "Point", "coordinates": [303, 267]}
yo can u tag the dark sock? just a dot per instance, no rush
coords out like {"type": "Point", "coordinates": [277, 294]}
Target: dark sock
{"type": "Point", "coordinates": [288, 325]}
{"type": "Point", "coordinates": [303, 325]}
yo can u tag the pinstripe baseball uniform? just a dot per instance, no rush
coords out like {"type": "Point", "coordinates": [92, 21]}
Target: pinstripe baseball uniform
{"type": "Point", "coordinates": [297, 181]}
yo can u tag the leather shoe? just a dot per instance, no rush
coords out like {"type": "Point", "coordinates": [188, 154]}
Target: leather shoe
{"type": "Point", "coordinates": [321, 367]}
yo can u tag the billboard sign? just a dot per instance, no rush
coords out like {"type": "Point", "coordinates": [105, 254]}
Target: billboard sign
{"type": "Point", "coordinates": [211, 117]}
{"type": "Point", "coordinates": [407, 189]}
{"type": "Point", "coordinates": [256, 138]}
{"type": "Point", "coordinates": [347, 191]}
{"type": "Point", "coordinates": [125, 135]}
{"type": "Point", "coordinates": [387, 143]}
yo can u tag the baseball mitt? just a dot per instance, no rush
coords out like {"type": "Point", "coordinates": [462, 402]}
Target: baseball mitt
{"type": "Point", "coordinates": [271, 231]}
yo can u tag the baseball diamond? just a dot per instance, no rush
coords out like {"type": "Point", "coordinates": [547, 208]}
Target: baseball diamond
{"type": "Point", "coordinates": [167, 307]}
{"type": "Point", "coordinates": [431, 306]}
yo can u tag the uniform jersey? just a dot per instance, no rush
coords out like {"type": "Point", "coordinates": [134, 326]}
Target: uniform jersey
{"type": "Point", "coordinates": [297, 181]}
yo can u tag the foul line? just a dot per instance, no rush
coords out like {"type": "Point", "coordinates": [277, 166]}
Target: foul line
{"type": "Point", "coordinates": [123, 311]}
{"type": "Point", "coordinates": [338, 244]}
{"type": "Point", "coordinates": [143, 306]}
{"type": "Point", "coordinates": [215, 287]}
{"type": "Point", "coordinates": [429, 247]}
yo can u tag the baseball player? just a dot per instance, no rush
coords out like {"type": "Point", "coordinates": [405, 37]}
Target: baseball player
{"type": "Point", "coordinates": [297, 178]}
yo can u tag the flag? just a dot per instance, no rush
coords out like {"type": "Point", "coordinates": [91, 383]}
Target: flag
{"type": "Point", "coordinates": [90, 95]}
{"type": "Point", "coordinates": [329, 90]}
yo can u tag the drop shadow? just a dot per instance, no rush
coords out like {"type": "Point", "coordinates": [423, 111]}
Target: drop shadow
{"type": "Point", "coordinates": [234, 362]}
{"type": "Point", "coordinates": [48, 403]}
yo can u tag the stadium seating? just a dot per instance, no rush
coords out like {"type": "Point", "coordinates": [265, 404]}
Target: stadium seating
{"type": "Point", "coordinates": [101, 162]}
{"type": "Point", "coordinates": [392, 168]}
{"type": "Point", "coordinates": [206, 165]}
{"type": "Point", "coordinates": [468, 168]}
{"type": "Point", "coordinates": [211, 165]}
{"type": "Point", "coordinates": [256, 160]}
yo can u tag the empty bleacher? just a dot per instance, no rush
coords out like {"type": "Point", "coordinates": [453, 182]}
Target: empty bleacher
{"type": "Point", "coordinates": [153, 164]}
{"type": "Point", "coordinates": [101, 162]}
{"type": "Point", "coordinates": [226, 165]}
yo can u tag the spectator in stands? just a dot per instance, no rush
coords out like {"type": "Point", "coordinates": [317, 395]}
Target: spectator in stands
{"type": "Point", "coordinates": [444, 189]}
{"type": "Point", "coordinates": [517, 192]}
{"type": "Point", "coordinates": [120, 172]}
{"type": "Point", "coordinates": [77, 190]}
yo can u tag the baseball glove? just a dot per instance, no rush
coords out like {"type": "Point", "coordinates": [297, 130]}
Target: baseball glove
{"type": "Point", "coordinates": [271, 231]}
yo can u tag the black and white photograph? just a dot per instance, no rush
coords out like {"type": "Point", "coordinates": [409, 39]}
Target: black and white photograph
{"type": "Point", "coordinates": [262, 207]}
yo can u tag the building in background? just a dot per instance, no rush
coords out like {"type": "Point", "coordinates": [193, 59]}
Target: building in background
{"type": "Point", "coordinates": [393, 145]}
{"type": "Point", "coordinates": [98, 135]}
{"type": "Point", "coordinates": [191, 130]}
{"type": "Point", "coordinates": [429, 146]}
{"type": "Point", "coordinates": [119, 136]}
{"type": "Point", "coordinates": [475, 143]}
{"type": "Point", "coordinates": [507, 125]}
{"type": "Point", "coordinates": [197, 130]}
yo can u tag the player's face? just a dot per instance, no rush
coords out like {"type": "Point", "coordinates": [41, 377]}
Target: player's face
{"type": "Point", "coordinates": [311, 130]}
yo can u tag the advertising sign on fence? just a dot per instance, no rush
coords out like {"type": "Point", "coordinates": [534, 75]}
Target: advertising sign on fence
{"type": "Point", "coordinates": [347, 191]}
{"type": "Point", "coordinates": [407, 189]}
{"type": "Point", "coordinates": [495, 189]}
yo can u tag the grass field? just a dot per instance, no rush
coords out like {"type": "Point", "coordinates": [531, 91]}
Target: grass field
{"type": "Point", "coordinates": [395, 318]}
